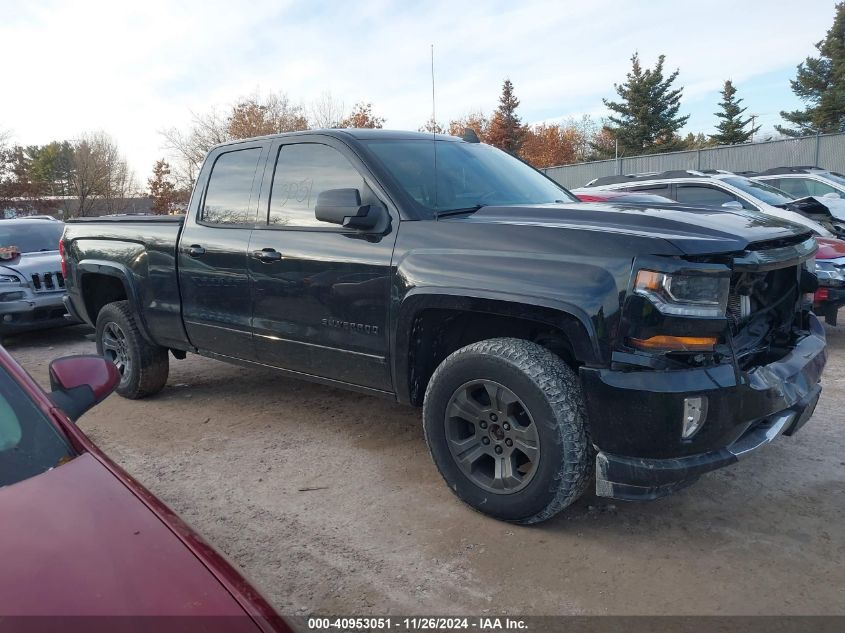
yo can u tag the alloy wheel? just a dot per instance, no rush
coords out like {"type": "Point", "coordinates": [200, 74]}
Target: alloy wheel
{"type": "Point", "coordinates": [492, 436]}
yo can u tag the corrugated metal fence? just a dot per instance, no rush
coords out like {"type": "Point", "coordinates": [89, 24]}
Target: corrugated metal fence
{"type": "Point", "coordinates": [826, 150]}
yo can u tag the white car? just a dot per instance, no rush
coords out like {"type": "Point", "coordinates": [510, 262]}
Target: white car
{"type": "Point", "coordinates": [826, 186]}
{"type": "Point", "coordinates": [717, 189]}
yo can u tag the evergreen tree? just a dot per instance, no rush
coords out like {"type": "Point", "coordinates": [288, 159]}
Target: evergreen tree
{"type": "Point", "coordinates": [820, 83]}
{"type": "Point", "coordinates": [645, 120]}
{"type": "Point", "coordinates": [506, 129]}
{"type": "Point", "coordinates": [731, 128]}
{"type": "Point", "coordinates": [697, 141]}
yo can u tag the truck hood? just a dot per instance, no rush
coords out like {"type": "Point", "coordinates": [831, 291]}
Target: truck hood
{"type": "Point", "coordinates": [76, 541]}
{"type": "Point", "coordinates": [692, 230]}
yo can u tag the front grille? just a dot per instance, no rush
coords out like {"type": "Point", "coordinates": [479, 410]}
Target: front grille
{"type": "Point", "coordinates": [48, 282]}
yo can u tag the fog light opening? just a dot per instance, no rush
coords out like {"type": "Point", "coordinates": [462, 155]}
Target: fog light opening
{"type": "Point", "coordinates": [695, 412]}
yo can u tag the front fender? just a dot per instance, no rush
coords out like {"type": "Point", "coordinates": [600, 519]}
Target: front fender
{"type": "Point", "coordinates": [572, 320]}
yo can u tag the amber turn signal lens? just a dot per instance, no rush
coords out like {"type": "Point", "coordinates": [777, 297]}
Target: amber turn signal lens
{"type": "Point", "coordinates": [676, 343]}
{"type": "Point", "coordinates": [649, 280]}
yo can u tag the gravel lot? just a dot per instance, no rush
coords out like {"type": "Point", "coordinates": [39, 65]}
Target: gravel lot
{"type": "Point", "coordinates": [330, 504]}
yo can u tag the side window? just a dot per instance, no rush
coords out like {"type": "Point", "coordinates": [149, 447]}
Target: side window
{"type": "Point", "coordinates": [795, 187]}
{"type": "Point", "coordinates": [229, 194]}
{"type": "Point", "coordinates": [659, 190]}
{"type": "Point", "coordinates": [302, 171]}
{"type": "Point", "coordinates": [816, 188]}
{"type": "Point", "coordinates": [703, 196]}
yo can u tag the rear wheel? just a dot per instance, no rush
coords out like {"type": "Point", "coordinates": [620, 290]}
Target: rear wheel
{"type": "Point", "coordinates": [504, 421]}
{"type": "Point", "coordinates": [143, 366]}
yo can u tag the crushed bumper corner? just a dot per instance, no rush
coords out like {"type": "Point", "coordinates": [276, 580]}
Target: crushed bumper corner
{"type": "Point", "coordinates": [633, 478]}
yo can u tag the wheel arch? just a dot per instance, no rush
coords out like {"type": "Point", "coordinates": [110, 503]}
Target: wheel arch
{"type": "Point", "coordinates": [101, 282]}
{"type": "Point", "coordinates": [433, 322]}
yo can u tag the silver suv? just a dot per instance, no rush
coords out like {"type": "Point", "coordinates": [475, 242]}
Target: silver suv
{"type": "Point", "coordinates": [31, 280]}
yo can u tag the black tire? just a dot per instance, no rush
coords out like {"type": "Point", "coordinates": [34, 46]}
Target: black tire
{"type": "Point", "coordinates": [548, 391]}
{"type": "Point", "coordinates": [143, 366]}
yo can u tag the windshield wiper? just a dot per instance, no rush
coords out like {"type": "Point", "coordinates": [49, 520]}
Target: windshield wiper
{"type": "Point", "coordinates": [441, 214]}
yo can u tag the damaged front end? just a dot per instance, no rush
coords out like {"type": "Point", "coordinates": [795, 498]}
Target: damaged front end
{"type": "Point", "coordinates": [709, 386]}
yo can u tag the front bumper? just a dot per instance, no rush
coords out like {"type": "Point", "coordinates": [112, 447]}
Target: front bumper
{"type": "Point", "coordinates": [636, 417]}
{"type": "Point", "coordinates": [33, 312]}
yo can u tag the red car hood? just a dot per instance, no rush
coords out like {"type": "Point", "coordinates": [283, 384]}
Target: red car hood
{"type": "Point", "coordinates": [76, 541]}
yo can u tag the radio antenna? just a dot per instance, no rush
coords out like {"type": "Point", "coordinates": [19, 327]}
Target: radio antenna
{"type": "Point", "coordinates": [433, 127]}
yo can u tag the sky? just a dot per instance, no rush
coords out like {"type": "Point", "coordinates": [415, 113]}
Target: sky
{"type": "Point", "coordinates": [132, 69]}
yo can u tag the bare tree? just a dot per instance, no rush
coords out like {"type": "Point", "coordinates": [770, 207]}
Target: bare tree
{"type": "Point", "coordinates": [254, 115]}
{"type": "Point", "coordinates": [326, 111]}
{"type": "Point", "coordinates": [362, 116]}
{"type": "Point", "coordinates": [99, 172]}
{"type": "Point", "coordinates": [259, 115]}
{"type": "Point", "coordinates": [189, 147]}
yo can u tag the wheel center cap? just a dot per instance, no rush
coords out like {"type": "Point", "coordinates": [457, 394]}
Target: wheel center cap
{"type": "Point", "coordinates": [497, 432]}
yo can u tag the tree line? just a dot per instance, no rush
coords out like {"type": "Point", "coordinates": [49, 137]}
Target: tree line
{"type": "Point", "coordinates": [645, 117]}
{"type": "Point", "coordinates": [72, 175]}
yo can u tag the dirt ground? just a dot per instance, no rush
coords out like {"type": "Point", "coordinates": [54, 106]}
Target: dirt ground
{"type": "Point", "coordinates": [329, 502]}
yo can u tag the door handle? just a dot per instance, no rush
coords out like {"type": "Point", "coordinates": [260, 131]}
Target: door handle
{"type": "Point", "coordinates": [268, 255]}
{"type": "Point", "coordinates": [195, 250]}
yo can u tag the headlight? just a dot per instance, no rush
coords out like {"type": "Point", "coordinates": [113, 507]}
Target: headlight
{"type": "Point", "coordinates": [828, 271]}
{"type": "Point", "coordinates": [684, 295]}
{"type": "Point", "coordinates": [9, 279]}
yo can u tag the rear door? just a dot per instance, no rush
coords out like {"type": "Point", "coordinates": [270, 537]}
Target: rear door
{"type": "Point", "coordinates": [320, 291]}
{"type": "Point", "coordinates": [213, 270]}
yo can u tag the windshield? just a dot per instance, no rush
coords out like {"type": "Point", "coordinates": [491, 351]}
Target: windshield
{"type": "Point", "coordinates": [468, 175]}
{"type": "Point", "coordinates": [758, 190]}
{"type": "Point", "coordinates": [29, 443]}
{"type": "Point", "coordinates": [32, 236]}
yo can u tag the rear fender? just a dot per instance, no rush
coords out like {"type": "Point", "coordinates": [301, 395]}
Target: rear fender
{"type": "Point", "coordinates": [130, 287]}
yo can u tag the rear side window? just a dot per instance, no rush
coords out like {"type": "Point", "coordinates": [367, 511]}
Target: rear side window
{"type": "Point", "coordinates": [704, 196]}
{"type": "Point", "coordinates": [803, 187]}
{"type": "Point", "coordinates": [228, 199]}
{"type": "Point", "coordinates": [303, 171]}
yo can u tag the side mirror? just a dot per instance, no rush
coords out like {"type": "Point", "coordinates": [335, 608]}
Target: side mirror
{"type": "Point", "coordinates": [343, 206]}
{"type": "Point", "coordinates": [733, 204]}
{"type": "Point", "coordinates": [80, 382]}
{"type": "Point", "coordinates": [832, 195]}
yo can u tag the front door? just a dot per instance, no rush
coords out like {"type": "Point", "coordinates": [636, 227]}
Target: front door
{"type": "Point", "coordinates": [213, 274]}
{"type": "Point", "coordinates": [320, 292]}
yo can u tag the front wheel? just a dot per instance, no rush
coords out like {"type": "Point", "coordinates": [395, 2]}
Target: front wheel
{"type": "Point", "coordinates": [504, 422]}
{"type": "Point", "coordinates": [143, 366]}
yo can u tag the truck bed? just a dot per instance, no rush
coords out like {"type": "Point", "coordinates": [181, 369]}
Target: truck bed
{"type": "Point", "coordinates": [143, 248]}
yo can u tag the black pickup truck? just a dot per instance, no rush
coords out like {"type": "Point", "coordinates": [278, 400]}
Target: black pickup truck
{"type": "Point", "coordinates": [544, 338]}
